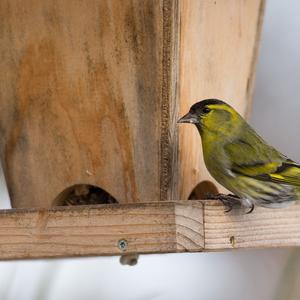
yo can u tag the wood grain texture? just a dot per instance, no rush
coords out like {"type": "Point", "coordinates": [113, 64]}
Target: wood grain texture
{"type": "Point", "coordinates": [157, 227]}
{"type": "Point", "coordinates": [217, 60]}
{"type": "Point", "coordinates": [252, 72]}
{"type": "Point", "coordinates": [264, 228]}
{"type": "Point", "coordinates": [81, 98]}
{"type": "Point", "coordinates": [90, 92]}
{"type": "Point", "coordinates": [85, 231]}
{"type": "Point", "coordinates": [169, 171]}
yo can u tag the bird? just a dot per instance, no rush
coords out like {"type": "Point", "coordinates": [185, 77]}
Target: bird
{"type": "Point", "coordinates": [242, 161]}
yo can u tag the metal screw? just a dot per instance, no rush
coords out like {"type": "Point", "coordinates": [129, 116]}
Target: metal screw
{"type": "Point", "coordinates": [122, 244]}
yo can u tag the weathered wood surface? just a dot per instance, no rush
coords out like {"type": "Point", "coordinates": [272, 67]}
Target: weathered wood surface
{"type": "Point", "coordinates": [90, 92]}
{"type": "Point", "coordinates": [85, 231]}
{"type": "Point", "coordinates": [157, 227]}
{"type": "Point", "coordinates": [264, 228]}
{"type": "Point", "coordinates": [81, 97]}
{"type": "Point", "coordinates": [219, 41]}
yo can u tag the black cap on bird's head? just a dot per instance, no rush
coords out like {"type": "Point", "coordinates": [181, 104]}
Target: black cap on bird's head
{"type": "Point", "coordinates": [198, 110]}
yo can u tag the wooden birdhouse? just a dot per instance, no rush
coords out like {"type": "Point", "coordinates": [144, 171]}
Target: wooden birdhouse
{"type": "Point", "coordinates": [90, 93]}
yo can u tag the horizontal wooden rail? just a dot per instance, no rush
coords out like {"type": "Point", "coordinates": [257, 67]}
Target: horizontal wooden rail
{"type": "Point", "coordinates": [101, 230]}
{"type": "Point", "coordinates": [263, 228]}
{"type": "Point", "coordinates": [157, 227]}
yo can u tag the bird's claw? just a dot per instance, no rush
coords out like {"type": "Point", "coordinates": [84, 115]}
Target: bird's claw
{"type": "Point", "coordinates": [228, 209]}
{"type": "Point", "coordinates": [229, 201]}
{"type": "Point", "coordinates": [250, 210]}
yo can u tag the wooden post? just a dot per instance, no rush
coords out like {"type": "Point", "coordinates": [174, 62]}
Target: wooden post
{"type": "Point", "coordinates": [90, 92]}
{"type": "Point", "coordinates": [218, 50]}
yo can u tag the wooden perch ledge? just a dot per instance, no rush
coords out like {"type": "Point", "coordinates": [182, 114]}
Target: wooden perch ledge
{"type": "Point", "coordinates": [157, 227]}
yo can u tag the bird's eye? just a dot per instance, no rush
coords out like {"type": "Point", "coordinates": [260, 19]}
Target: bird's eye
{"type": "Point", "coordinates": [206, 110]}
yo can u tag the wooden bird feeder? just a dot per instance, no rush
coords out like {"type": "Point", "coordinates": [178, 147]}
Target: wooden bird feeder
{"type": "Point", "coordinates": [90, 93]}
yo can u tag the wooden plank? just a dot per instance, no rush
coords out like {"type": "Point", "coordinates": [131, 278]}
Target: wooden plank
{"type": "Point", "coordinates": [219, 41]}
{"type": "Point", "coordinates": [169, 172]}
{"type": "Point", "coordinates": [81, 97]}
{"type": "Point", "coordinates": [98, 230]}
{"type": "Point", "coordinates": [264, 228]}
{"type": "Point", "coordinates": [158, 227]}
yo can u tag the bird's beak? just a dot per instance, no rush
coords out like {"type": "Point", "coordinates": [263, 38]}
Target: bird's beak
{"type": "Point", "coordinates": [189, 118]}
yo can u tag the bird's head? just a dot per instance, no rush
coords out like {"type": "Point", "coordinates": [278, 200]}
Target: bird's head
{"type": "Point", "coordinates": [212, 115]}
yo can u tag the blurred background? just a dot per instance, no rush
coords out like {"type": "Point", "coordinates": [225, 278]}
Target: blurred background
{"type": "Point", "coordinates": [260, 274]}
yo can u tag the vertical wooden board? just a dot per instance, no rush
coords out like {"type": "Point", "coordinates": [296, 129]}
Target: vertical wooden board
{"type": "Point", "coordinates": [80, 97]}
{"type": "Point", "coordinates": [169, 171]}
{"type": "Point", "coordinates": [217, 58]}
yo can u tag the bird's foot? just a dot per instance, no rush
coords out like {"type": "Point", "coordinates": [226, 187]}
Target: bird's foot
{"type": "Point", "coordinates": [229, 201]}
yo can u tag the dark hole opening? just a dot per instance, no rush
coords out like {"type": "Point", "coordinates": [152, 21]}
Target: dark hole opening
{"type": "Point", "coordinates": [202, 190]}
{"type": "Point", "coordinates": [84, 194]}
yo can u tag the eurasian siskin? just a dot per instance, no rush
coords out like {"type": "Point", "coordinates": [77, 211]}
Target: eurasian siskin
{"type": "Point", "coordinates": [239, 159]}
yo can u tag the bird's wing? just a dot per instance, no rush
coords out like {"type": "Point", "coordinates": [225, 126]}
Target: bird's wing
{"type": "Point", "coordinates": [261, 161]}
{"type": "Point", "coordinates": [287, 173]}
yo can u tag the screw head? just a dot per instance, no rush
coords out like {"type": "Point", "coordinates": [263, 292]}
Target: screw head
{"type": "Point", "coordinates": [122, 244]}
